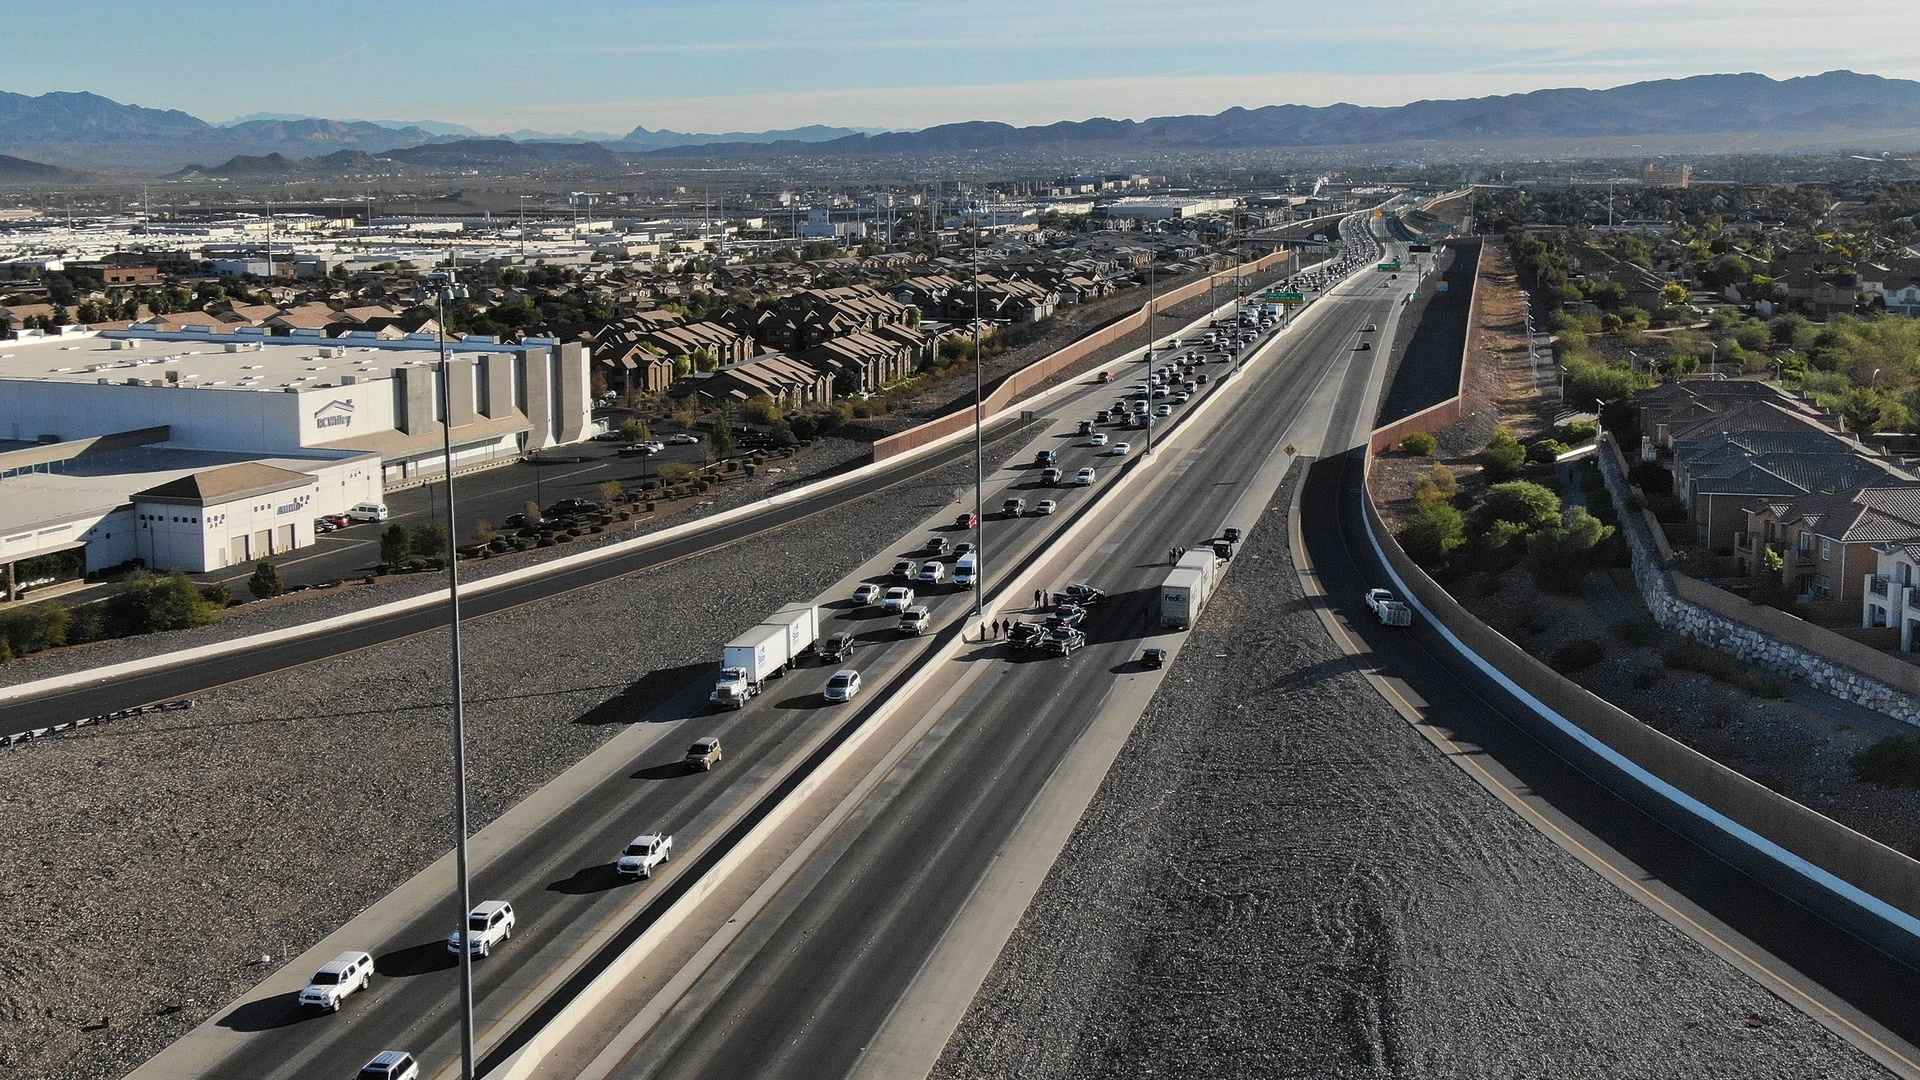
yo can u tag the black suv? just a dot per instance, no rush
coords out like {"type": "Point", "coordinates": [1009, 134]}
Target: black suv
{"type": "Point", "coordinates": [571, 506]}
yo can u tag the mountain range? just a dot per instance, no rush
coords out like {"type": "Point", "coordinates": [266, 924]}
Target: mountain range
{"type": "Point", "coordinates": [1703, 113]}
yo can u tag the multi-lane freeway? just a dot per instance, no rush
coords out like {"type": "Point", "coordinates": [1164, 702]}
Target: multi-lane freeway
{"type": "Point", "coordinates": [574, 913]}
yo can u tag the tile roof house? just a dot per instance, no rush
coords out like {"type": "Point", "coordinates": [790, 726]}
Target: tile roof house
{"type": "Point", "coordinates": [791, 384]}
{"type": "Point", "coordinates": [860, 362]}
{"type": "Point", "coordinates": [1827, 541]}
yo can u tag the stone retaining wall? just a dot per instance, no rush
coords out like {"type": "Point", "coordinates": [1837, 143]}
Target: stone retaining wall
{"type": "Point", "coordinates": [1754, 633]}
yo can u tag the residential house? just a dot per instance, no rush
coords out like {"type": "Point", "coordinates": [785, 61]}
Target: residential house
{"type": "Point", "coordinates": [1888, 595]}
{"type": "Point", "coordinates": [1827, 541]}
{"type": "Point", "coordinates": [860, 362]}
{"type": "Point", "coordinates": [791, 384]}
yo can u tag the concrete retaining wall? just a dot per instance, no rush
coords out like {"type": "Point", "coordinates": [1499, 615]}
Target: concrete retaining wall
{"type": "Point", "coordinates": [1446, 413]}
{"type": "Point", "coordinates": [1826, 844]}
{"type": "Point", "coordinates": [1028, 379]}
{"type": "Point", "coordinates": [1763, 636]}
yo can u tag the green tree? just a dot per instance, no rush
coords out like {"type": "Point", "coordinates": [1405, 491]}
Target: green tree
{"type": "Point", "coordinates": [152, 603]}
{"type": "Point", "coordinates": [428, 541]}
{"type": "Point", "coordinates": [1419, 443]}
{"type": "Point", "coordinates": [1503, 456]}
{"type": "Point", "coordinates": [635, 431]}
{"type": "Point", "coordinates": [610, 492]}
{"type": "Point", "coordinates": [265, 582]}
{"type": "Point", "coordinates": [722, 438]}
{"type": "Point", "coordinates": [395, 546]}
{"type": "Point", "coordinates": [1522, 502]}
{"type": "Point", "coordinates": [1437, 529]}
{"type": "Point", "coordinates": [32, 627]}
{"type": "Point", "coordinates": [1559, 555]}
{"type": "Point", "coordinates": [532, 513]}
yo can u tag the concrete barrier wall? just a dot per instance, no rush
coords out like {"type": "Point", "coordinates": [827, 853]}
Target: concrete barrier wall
{"type": "Point", "coordinates": [1826, 844]}
{"type": "Point", "coordinates": [1025, 381]}
{"type": "Point", "coordinates": [1447, 413]}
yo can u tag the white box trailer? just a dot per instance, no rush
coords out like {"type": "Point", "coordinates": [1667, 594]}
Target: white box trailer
{"type": "Point", "coordinates": [1188, 586]}
{"type": "Point", "coordinates": [802, 622]}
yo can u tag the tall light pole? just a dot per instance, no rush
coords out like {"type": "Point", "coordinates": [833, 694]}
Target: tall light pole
{"type": "Point", "coordinates": [523, 228]}
{"type": "Point", "coordinates": [463, 887]}
{"type": "Point", "coordinates": [1153, 296]}
{"type": "Point", "coordinates": [979, 445]}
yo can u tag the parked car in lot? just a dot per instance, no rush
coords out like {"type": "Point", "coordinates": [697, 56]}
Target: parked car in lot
{"type": "Point", "coordinates": [704, 754]}
{"type": "Point", "coordinates": [843, 686]}
{"type": "Point", "coordinates": [1084, 477]}
{"type": "Point", "coordinates": [835, 648]}
{"type": "Point", "coordinates": [340, 521]}
{"type": "Point", "coordinates": [647, 851]}
{"type": "Point", "coordinates": [322, 525]}
{"type": "Point", "coordinates": [641, 449]}
{"type": "Point", "coordinates": [489, 924]}
{"type": "Point", "coordinates": [682, 438]}
{"type": "Point", "coordinates": [866, 594]}
{"type": "Point", "coordinates": [336, 979]}
{"type": "Point", "coordinates": [566, 507]}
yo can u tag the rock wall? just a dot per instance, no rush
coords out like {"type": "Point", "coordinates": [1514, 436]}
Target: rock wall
{"type": "Point", "coordinates": [1788, 646]}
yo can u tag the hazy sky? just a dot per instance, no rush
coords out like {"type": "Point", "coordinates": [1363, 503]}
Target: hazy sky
{"type": "Point", "coordinates": [714, 65]}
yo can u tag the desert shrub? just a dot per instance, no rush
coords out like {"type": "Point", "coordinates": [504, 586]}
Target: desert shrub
{"type": "Point", "coordinates": [1503, 455]}
{"type": "Point", "coordinates": [1436, 530]}
{"type": "Point", "coordinates": [155, 602]}
{"type": "Point", "coordinates": [35, 626]}
{"type": "Point", "coordinates": [1546, 450]}
{"type": "Point", "coordinates": [1420, 443]}
{"type": "Point", "coordinates": [1522, 502]}
{"type": "Point", "coordinates": [1692, 656]}
{"type": "Point", "coordinates": [1892, 762]}
{"type": "Point", "coordinates": [1577, 655]}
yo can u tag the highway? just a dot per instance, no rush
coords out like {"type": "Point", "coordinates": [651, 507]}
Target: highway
{"type": "Point", "coordinates": [574, 912]}
{"type": "Point", "coordinates": [816, 979]}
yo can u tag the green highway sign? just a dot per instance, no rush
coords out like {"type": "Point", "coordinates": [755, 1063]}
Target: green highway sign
{"type": "Point", "coordinates": [1394, 265]}
{"type": "Point", "coordinates": [1285, 298]}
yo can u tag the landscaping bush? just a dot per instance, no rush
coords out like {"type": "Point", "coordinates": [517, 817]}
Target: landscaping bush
{"type": "Point", "coordinates": [218, 594]}
{"type": "Point", "coordinates": [1582, 430]}
{"type": "Point", "coordinates": [265, 582]}
{"type": "Point", "coordinates": [1559, 555]}
{"type": "Point", "coordinates": [1523, 502]}
{"type": "Point", "coordinates": [1546, 450]}
{"type": "Point", "coordinates": [1693, 656]}
{"type": "Point", "coordinates": [1503, 456]}
{"type": "Point", "coordinates": [1420, 443]}
{"type": "Point", "coordinates": [1893, 762]}
{"type": "Point", "coordinates": [395, 547]}
{"type": "Point", "coordinates": [155, 602]}
{"type": "Point", "coordinates": [1439, 485]}
{"type": "Point", "coordinates": [1577, 655]}
{"type": "Point", "coordinates": [1436, 530]}
{"type": "Point", "coordinates": [34, 627]}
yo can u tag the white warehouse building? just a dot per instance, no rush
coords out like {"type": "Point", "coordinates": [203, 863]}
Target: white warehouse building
{"type": "Point", "coordinates": [199, 450]}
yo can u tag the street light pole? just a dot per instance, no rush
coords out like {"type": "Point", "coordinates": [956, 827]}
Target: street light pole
{"type": "Point", "coordinates": [979, 446]}
{"type": "Point", "coordinates": [463, 888]}
{"type": "Point", "coordinates": [1153, 297]}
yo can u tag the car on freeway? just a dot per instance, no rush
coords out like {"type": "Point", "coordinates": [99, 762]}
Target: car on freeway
{"type": "Point", "coordinates": [391, 1065]}
{"type": "Point", "coordinates": [967, 520]}
{"type": "Point", "coordinates": [1046, 506]}
{"type": "Point", "coordinates": [683, 438]}
{"type": "Point", "coordinates": [914, 620]}
{"type": "Point", "coordinates": [1014, 507]}
{"type": "Point", "coordinates": [905, 568]}
{"type": "Point", "coordinates": [647, 851]}
{"type": "Point", "coordinates": [1084, 477]}
{"type": "Point", "coordinates": [1099, 439]}
{"type": "Point", "coordinates": [1049, 476]}
{"type": "Point", "coordinates": [1163, 411]}
{"type": "Point", "coordinates": [704, 754]}
{"type": "Point", "coordinates": [844, 684]}
{"type": "Point", "coordinates": [1200, 379]}
{"type": "Point", "coordinates": [836, 647]}
{"type": "Point", "coordinates": [1153, 658]}
{"type": "Point", "coordinates": [1363, 346]}
{"type": "Point", "coordinates": [866, 594]}
{"type": "Point", "coordinates": [932, 572]}
{"type": "Point", "coordinates": [898, 599]}
{"type": "Point", "coordinates": [1086, 427]}
{"type": "Point", "coordinates": [936, 545]}
{"type": "Point", "coordinates": [489, 924]}
{"type": "Point", "coordinates": [1079, 593]}
{"type": "Point", "coordinates": [963, 549]}
{"type": "Point", "coordinates": [336, 979]}
{"type": "Point", "coordinates": [1119, 449]}
{"type": "Point", "coordinates": [1105, 377]}
{"type": "Point", "coordinates": [1183, 397]}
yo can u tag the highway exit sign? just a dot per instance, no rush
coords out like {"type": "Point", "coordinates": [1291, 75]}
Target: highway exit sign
{"type": "Point", "coordinates": [1285, 298]}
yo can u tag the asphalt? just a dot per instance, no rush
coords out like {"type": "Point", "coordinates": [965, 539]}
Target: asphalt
{"type": "Point", "coordinates": [810, 1001]}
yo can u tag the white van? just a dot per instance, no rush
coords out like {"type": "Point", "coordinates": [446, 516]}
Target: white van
{"type": "Point", "coordinates": [368, 511]}
{"type": "Point", "coordinates": [966, 570]}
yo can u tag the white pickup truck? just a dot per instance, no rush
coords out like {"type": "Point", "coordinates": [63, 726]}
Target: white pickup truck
{"type": "Point", "coordinates": [1390, 611]}
{"type": "Point", "coordinates": [646, 852]}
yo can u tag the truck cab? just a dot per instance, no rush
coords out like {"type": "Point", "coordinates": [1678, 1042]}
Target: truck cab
{"type": "Point", "coordinates": [647, 851]}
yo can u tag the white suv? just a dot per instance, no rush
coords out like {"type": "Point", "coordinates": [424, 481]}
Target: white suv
{"type": "Point", "coordinates": [488, 924]}
{"type": "Point", "coordinates": [340, 976]}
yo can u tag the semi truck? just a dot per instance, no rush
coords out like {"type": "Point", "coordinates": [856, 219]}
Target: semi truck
{"type": "Point", "coordinates": [1188, 586]}
{"type": "Point", "coordinates": [748, 661]}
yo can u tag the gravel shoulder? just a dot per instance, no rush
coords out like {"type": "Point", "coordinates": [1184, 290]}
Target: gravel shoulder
{"type": "Point", "coordinates": [145, 866]}
{"type": "Point", "coordinates": [1279, 878]}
